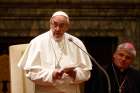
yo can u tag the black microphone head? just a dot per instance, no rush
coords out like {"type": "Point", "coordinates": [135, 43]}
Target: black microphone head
{"type": "Point", "coordinates": [70, 39]}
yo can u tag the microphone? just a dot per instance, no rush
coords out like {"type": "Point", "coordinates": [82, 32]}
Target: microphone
{"type": "Point", "coordinates": [96, 63]}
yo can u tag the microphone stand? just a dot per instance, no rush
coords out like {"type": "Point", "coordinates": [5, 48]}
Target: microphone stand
{"type": "Point", "coordinates": [98, 65]}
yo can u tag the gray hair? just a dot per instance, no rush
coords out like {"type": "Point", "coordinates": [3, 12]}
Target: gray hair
{"type": "Point", "coordinates": [128, 46]}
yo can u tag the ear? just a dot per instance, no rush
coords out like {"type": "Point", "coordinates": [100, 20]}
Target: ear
{"type": "Point", "coordinates": [67, 26]}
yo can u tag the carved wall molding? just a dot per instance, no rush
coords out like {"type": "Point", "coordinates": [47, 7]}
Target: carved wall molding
{"type": "Point", "coordinates": [88, 18]}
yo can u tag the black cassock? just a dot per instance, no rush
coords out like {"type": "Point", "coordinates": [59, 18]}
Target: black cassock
{"type": "Point", "coordinates": [127, 81]}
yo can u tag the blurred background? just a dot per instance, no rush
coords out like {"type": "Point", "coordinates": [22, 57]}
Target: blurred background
{"type": "Point", "coordinates": [100, 24]}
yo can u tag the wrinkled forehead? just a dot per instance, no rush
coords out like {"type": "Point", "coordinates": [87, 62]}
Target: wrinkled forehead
{"type": "Point", "coordinates": [124, 52]}
{"type": "Point", "coordinates": [59, 19]}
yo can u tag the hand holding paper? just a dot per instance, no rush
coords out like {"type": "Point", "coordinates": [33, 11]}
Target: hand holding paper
{"type": "Point", "coordinates": [70, 71]}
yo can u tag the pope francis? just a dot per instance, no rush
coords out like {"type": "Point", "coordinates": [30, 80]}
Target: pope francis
{"type": "Point", "coordinates": [52, 62]}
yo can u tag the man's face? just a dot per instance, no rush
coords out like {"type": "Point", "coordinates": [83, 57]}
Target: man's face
{"type": "Point", "coordinates": [122, 58]}
{"type": "Point", "coordinates": [58, 25]}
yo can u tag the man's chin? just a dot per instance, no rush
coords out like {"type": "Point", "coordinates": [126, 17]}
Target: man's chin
{"type": "Point", "coordinates": [122, 68]}
{"type": "Point", "coordinates": [58, 39]}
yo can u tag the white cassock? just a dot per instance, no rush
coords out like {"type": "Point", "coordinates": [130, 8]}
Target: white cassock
{"type": "Point", "coordinates": [44, 55]}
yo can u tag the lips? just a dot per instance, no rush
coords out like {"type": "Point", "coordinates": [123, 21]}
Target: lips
{"type": "Point", "coordinates": [122, 64]}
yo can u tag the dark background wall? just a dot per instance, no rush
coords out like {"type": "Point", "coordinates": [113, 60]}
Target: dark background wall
{"type": "Point", "coordinates": [100, 24]}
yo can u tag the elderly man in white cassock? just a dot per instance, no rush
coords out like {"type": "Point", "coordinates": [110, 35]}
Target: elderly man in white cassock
{"type": "Point", "coordinates": [53, 62]}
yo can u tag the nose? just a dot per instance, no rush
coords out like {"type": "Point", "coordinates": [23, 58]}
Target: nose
{"type": "Point", "coordinates": [57, 28]}
{"type": "Point", "coordinates": [124, 57]}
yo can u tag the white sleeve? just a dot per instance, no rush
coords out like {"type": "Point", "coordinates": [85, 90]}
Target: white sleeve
{"type": "Point", "coordinates": [31, 64]}
{"type": "Point", "coordinates": [81, 75]}
{"type": "Point", "coordinates": [85, 65]}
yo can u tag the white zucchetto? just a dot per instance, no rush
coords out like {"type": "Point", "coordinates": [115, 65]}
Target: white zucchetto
{"type": "Point", "coordinates": [58, 13]}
